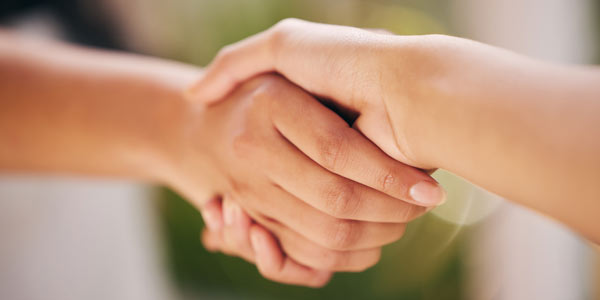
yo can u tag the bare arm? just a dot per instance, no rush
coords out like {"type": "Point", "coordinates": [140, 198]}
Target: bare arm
{"type": "Point", "coordinates": [66, 109]}
{"type": "Point", "coordinates": [525, 129]}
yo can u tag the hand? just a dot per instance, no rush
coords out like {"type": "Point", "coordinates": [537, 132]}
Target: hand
{"type": "Point", "coordinates": [357, 70]}
{"type": "Point", "coordinates": [242, 237]}
{"type": "Point", "coordinates": [330, 196]}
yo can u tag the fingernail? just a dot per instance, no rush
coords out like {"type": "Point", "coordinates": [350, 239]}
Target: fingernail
{"type": "Point", "coordinates": [211, 220]}
{"type": "Point", "coordinates": [428, 193]}
{"type": "Point", "coordinates": [228, 213]}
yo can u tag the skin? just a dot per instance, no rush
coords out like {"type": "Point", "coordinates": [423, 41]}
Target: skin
{"type": "Point", "coordinates": [314, 187]}
{"type": "Point", "coordinates": [524, 129]}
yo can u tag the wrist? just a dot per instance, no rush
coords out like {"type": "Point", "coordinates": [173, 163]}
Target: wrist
{"type": "Point", "coordinates": [167, 122]}
{"type": "Point", "coordinates": [414, 95]}
{"type": "Point", "coordinates": [185, 151]}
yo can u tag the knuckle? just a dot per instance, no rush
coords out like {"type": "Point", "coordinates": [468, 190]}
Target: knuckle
{"type": "Point", "coordinates": [288, 23]}
{"type": "Point", "coordinates": [267, 92]}
{"type": "Point", "coordinates": [341, 200]}
{"type": "Point", "coordinates": [244, 144]}
{"type": "Point", "coordinates": [343, 234]}
{"type": "Point", "coordinates": [332, 150]}
{"type": "Point", "coordinates": [285, 27]}
{"type": "Point", "coordinates": [281, 31]}
{"type": "Point", "coordinates": [386, 181]}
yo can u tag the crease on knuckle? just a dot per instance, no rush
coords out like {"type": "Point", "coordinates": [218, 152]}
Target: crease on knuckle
{"type": "Point", "coordinates": [386, 181]}
{"type": "Point", "coordinates": [343, 234]}
{"type": "Point", "coordinates": [332, 151]}
{"type": "Point", "coordinates": [341, 200]}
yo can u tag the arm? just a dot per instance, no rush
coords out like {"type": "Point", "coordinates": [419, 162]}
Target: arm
{"type": "Point", "coordinates": [524, 129]}
{"type": "Point", "coordinates": [66, 109]}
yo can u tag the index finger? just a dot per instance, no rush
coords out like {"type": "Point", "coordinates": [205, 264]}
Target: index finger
{"type": "Point", "coordinates": [331, 143]}
{"type": "Point", "coordinates": [233, 65]}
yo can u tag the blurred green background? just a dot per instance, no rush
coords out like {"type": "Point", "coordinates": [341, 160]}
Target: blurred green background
{"type": "Point", "coordinates": [434, 260]}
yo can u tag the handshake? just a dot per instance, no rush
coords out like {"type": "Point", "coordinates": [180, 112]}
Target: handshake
{"type": "Point", "coordinates": [298, 189]}
{"type": "Point", "coordinates": [308, 147]}
{"type": "Point", "coordinates": [322, 137]}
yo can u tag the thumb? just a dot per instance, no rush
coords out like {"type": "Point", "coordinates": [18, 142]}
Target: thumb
{"type": "Point", "coordinates": [328, 61]}
{"type": "Point", "coordinates": [233, 65]}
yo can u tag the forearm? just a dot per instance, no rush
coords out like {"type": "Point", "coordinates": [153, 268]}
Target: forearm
{"type": "Point", "coordinates": [523, 129]}
{"type": "Point", "coordinates": [70, 110]}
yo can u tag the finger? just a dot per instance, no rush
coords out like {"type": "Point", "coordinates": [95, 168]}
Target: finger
{"type": "Point", "coordinates": [234, 237]}
{"type": "Point", "coordinates": [271, 261]}
{"type": "Point", "coordinates": [212, 214]}
{"type": "Point", "coordinates": [212, 240]}
{"type": "Point", "coordinates": [236, 232]}
{"type": "Point", "coordinates": [345, 151]}
{"type": "Point", "coordinates": [295, 49]}
{"type": "Point", "coordinates": [227, 69]}
{"type": "Point", "coordinates": [273, 265]}
{"type": "Point", "coordinates": [313, 255]}
{"type": "Point", "coordinates": [330, 193]}
{"type": "Point", "coordinates": [334, 195]}
{"type": "Point", "coordinates": [324, 230]}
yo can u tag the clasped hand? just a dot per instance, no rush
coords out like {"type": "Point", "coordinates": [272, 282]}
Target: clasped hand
{"type": "Point", "coordinates": [294, 188]}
